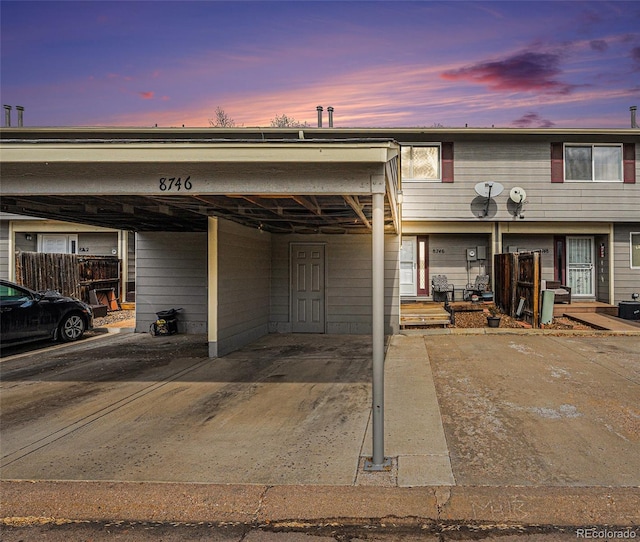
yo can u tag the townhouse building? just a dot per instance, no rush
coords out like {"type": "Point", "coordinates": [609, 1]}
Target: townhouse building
{"type": "Point", "coordinates": [327, 230]}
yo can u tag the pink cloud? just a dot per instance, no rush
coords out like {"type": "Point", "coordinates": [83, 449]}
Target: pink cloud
{"type": "Point", "coordinates": [146, 95]}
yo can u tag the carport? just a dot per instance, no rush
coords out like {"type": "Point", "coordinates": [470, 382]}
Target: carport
{"type": "Point", "coordinates": [200, 202]}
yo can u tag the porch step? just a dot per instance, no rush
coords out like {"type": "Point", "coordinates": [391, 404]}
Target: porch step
{"type": "Point", "coordinates": [423, 314]}
{"type": "Point", "coordinates": [603, 321]}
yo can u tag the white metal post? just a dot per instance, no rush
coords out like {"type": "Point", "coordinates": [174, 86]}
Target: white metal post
{"type": "Point", "coordinates": [378, 462]}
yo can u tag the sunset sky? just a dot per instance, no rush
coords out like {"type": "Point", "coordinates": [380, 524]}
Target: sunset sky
{"type": "Point", "coordinates": [378, 63]}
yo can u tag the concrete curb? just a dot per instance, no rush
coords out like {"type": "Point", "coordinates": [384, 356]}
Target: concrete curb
{"type": "Point", "coordinates": [517, 331]}
{"type": "Point", "coordinates": [304, 507]}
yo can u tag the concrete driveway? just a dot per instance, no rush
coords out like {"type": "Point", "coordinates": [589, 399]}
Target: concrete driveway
{"type": "Point", "coordinates": [287, 409]}
{"type": "Point", "coordinates": [503, 409]}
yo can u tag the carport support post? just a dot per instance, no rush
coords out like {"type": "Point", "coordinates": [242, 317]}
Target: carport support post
{"type": "Point", "coordinates": [378, 462]}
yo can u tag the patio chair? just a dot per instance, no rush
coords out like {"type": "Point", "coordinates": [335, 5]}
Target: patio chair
{"type": "Point", "coordinates": [440, 288]}
{"type": "Point", "coordinates": [562, 291]}
{"type": "Point", "coordinates": [478, 287]}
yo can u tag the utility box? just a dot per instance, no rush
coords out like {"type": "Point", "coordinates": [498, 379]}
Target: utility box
{"type": "Point", "coordinates": [629, 310]}
{"type": "Point", "coordinates": [472, 255]}
{"type": "Point", "coordinates": [481, 253]}
{"type": "Point", "coordinates": [548, 300]}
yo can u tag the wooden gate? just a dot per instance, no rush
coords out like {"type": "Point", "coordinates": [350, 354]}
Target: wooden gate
{"type": "Point", "coordinates": [70, 274]}
{"type": "Point", "coordinates": [517, 285]}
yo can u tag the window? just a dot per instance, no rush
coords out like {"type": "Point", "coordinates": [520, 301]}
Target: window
{"type": "Point", "coordinates": [600, 163]}
{"type": "Point", "coordinates": [420, 163]}
{"type": "Point", "coordinates": [9, 293]}
{"type": "Point", "coordinates": [634, 241]}
{"type": "Point", "coordinates": [427, 162]}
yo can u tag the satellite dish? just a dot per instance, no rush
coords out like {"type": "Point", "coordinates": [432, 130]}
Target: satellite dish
{"type": "Point", "coordinates": [489, 189]}
{"type": "Point", "coordinates": [517, 194]}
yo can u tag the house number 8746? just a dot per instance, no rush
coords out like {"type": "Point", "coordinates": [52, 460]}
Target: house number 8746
{"type": "Point", "coordinates": [167, 184]}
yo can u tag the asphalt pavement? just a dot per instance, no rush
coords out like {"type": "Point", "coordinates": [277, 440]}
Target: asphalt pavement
{"type": "Point", "coordinates": [495, 432]}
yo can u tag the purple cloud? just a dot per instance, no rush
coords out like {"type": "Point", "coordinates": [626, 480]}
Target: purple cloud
{"type": "Point", "coordinates": [528, 71]}
{"type": "Point", "coordinates": [635, 56]}
{"type": "Point", "coordinates": [599, 45]}
{"type": "Point", "coordinates": [532, 120]}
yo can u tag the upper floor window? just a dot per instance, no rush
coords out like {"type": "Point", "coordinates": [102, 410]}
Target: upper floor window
{"type": "Point", "coordinates": [428, 162]}
{"type": "Point", "coordinates": [600, 163]}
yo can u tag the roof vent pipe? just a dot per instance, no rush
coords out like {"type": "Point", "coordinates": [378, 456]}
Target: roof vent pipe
{"type": "Point", "coordinates": [330, 111]}
{"type": "Point", "coordinates": [319, 109]}
{"type": "Point", "coordinates": [633, 109]}
{"type": "Point", "coordinates": [7, 116]}
{"type": "Point", "coordinates": [20, 111]}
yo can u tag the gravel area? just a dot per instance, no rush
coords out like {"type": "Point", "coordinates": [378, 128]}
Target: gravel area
{"type": "Point", "coordinates": [114, 318]}
{"type": "Point", "coordinates": [478, 319]}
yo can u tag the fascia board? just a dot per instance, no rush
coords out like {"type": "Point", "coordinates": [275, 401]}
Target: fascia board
{"type": "Point", "coordinates": [197, 152]}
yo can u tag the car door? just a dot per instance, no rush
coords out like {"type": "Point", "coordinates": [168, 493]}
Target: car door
{"type": "Point", "coordinates": [21, 317]}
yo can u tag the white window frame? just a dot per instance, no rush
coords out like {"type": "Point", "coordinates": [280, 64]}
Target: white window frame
{"type": "Point", "coordinates": [418, 179]}
{"type": "Point", "coordinates": [631, 234]}
{"type": "Point", "coordinates": [593, 145]}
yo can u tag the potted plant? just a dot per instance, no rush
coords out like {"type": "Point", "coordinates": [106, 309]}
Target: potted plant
{"type": "Point", "coordinates": [493, 318]}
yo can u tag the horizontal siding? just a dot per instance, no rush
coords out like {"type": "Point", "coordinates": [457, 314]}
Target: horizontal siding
{"type": "Point", "coordinates": [448, 256]}
{"type": "Point", "coordinates": [4, 249]}
{"type": "Point", "coordinates": [97, 244]}
{"type": "Point", "coordinates": [527, 165]}
{"type": "Point", "coordinates": [348, 282]}
{"type": "Point", "coordinates": [528, 243]}
{"type": "Point", "coordinates": [244, 276]}
{"type": "Point", "coordinates": [627, 280]}
{"type": "Point", "coordinates": [171, 272]}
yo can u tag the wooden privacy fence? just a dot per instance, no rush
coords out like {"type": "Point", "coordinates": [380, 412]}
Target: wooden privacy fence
{"type": "Point", "coordinates": [517, 285]}
{"type": "Point", "coordinates": [69, 274]}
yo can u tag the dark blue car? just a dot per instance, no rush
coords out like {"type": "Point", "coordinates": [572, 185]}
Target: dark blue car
{"type": "Point", "coordinates": [26, 315]}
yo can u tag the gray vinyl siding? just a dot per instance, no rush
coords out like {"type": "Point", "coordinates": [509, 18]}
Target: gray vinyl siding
{"type": "Point", "coordinates": [603, 275]}
{"type": "Point", "coordinates": [171, 271]}
{"type": "Point", "coordinates": [627, 280]}
{"type": "Point", "coordinates": [97, 244]}
{"type": "Point", "coordinates": [524, 164]}
{"type": "Point", "coordinates": [131, 258]}
{"type": "Point", "coordinates": [4, 249]}
{"type": "Point", "coordinates": [24, 245]}
{"type": "Point", "coordinates": [244, 262]}
{"type": "Point", "coordinates": [448, 256]}
{"type": "Point", "coordinates": [348, 282]}
{"type": "Point", "coordinates": [529, 243]}
{"type": "Point", "coordinates": [89, 243]}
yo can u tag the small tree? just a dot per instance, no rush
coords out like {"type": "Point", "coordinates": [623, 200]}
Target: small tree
{"type": "Point", "coordinates": [285, 121]}
{"type": "Point", "coordinates": [222, 120]}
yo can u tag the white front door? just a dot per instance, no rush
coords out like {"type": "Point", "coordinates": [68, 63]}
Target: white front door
{"type": "Point", "coordinates": [580, 266]}
{"type": "Point", "coordinates": [53, 243]}
{"type": "Point", "coordinates": [408, 267]}
{"type": "Point", "coordinates": [307, 288]}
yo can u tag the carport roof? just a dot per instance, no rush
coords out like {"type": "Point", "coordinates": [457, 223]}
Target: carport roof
{"type": "Point", "coordinates": [150, 180]}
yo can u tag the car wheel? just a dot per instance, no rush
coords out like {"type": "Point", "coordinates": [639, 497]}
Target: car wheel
{"type": "Point", "coordinates": [71, 328]}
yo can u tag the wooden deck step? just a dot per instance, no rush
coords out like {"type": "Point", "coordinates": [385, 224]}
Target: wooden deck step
{"type": "Point", "coordinates": [603, 321]}
{"type": "Point", "coordinates": [423, 314]}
